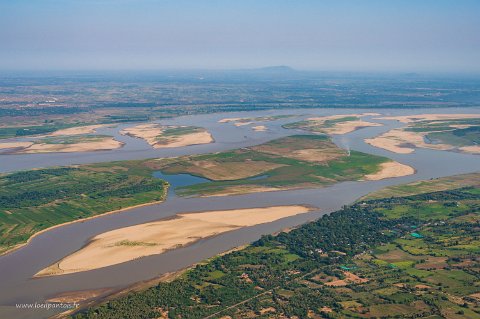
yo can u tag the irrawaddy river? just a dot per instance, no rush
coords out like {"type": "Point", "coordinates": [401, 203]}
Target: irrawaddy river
{"type": "Point", "coordinates": [17, 268]}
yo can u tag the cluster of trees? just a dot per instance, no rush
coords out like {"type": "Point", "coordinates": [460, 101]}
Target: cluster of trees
{"type": "Point", "coordinates": [69, 183]}
{"type": "Point", "coordinates": [265, 266]}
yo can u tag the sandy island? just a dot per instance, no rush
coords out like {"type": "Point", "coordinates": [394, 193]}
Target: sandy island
{"type": "Point", "coordinates": [389, 170]}
{"type": "Point", "coordinates": [317, 124]}
{"type": "Point", "coordinates": [154, 134]}
{"type": "Point", "coordinates": [77, 130]}
{"type": "Point", "coordinates": [428, 117]}
{"type": "Point", "coordinates": [259, 128]}
{"type": "Point", "coordinates": [402, 141]}
{"type": "Point", "coordinates": [129, 243]}
{"type": "Point", "coordinates": [99, 144]}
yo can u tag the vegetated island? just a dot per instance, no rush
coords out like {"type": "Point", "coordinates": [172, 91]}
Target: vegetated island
{"type": "Point", "coordinates": [299, 161]}
{"type": "Point", "coordinates": [407, 256]}
{"type": "Point", "coordinates": [129, 243]}
{"type": "Point", "coordinates": [451, 132]}
{"type": "Point", "coordinates": [59, 138]}
{"type": "Point", "coordinates": [167, 136]}
{"type": "Point", "coordinates": [34, 200]}
{"type": "Point", "coordinates": [333, 124]}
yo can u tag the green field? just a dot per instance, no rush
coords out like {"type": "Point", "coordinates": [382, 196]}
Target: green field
{"type": "Point", "coordinates": [360, 262]}
{"type": "Point", "coordinates": [421, 187]}
{"type": "Point", "coordinates": [37, 199]}
{"type": "Point", "coordinates": [75, 139]}
{"type": "Point", "coordinates": [292, 162]}
{"type": "Point", "coordinates": [458, 137]}
{"type": "Point", "coordinates": [458, 133]}
{"type": "Point", "coordinates": [319, 126]}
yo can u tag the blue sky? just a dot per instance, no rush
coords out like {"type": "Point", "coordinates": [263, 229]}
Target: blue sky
{"type": "Point", "coordinates": [333, 35]}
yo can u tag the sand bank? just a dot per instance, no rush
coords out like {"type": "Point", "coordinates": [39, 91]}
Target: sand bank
{"type": "Point", "coordinates": [428, 117]}
{"type": "Point", "coordinates": [248, 189]}
{"type": "Point", "coordinates": [129, 243]}
{"type": "Point", "coordinates": [156, 135]}
{"type": "Point", "coordinates": [389, 170]}
{"type": "Point", "coordinates": [78, 130]}
{"type": "Point", "coordinates": [231, 119]}
{"type": "Point", "coordinates": [405, 142]}
{"type": "Point", "coordinates": [79, 296]}
{"type": "Point", "coordinates": [259, 128]}
{"type": "Point", "coordinates": [350, 126]}
{"type": "Point", "coordinates": [475, 149]}
{"type": "Point", "coordinates": [107, 143]}
{"type": "Point", "coordinates": [13, 145]}
{"type": "Point", "coordinates": [328, 124]}
{"type": "Point", "coordinates": [100, 144]}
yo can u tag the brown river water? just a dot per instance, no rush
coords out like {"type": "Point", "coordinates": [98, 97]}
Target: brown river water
{"type": "Point", "coordinates": [17, 268]}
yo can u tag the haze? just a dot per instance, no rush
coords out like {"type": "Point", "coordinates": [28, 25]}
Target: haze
{"type": "Point", "coordinates": [410, 36]}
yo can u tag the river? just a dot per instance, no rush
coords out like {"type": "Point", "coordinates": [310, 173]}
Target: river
{"type": "Point", "coordinates": [17, 268]}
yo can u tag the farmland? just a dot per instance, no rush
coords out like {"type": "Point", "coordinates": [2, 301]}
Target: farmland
{"type": "Point", "coordinates": [34, 200]}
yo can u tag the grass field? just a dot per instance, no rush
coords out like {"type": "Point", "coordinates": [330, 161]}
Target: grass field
{"type": "Point", "coordinates": [291, 162]}
{"type": "Point", "coordinates": [84, 138]}
{"type": "Point", "coordinates": [319, 126]}
{"type": "Point", "coordinates": [420, 187]}
{"type": "Point", "coordinates": [35, 200]}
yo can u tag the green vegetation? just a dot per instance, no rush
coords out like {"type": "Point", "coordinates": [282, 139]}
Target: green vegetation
{"type": "Point", "coordinates": [34, 200]}
{"type": "Point", "coordinates": [9, 132]}
{"type": "Point", "coordinates": [458, 133]}
{"type": "Point", "coordinates": [174, 131]}
{"type": "Point", "coordinates": [75, 139]}
{"type": "Point", "coordinates": [182, 130]}
{"type": "Point", "coordinates": [458, 137]}
{"type": "Point", "coordinates": [290, 162]}
{"type": "Point", "coordinates": [433, 185]}
{"type": "Point", "coordinates": [319, 126]}
{"type": "Point", "coordinates": [359, 262]}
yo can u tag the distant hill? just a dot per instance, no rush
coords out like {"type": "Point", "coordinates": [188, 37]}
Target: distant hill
{"type": "Point", "coordinates": [276, 68]}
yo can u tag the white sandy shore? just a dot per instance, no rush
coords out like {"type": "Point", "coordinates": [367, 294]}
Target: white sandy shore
{"type": "Point", "coordinates": [13, 145]}
{"type": "Point", "coordinates": [404, 142]}
{"type": "Point", "coordinates": [340, 128]}
{"type": "Point", "coordinates": [103, 144]}
{"type": "Point", "coordinates": [428, 117]}
{"type": "Point", "coordinates": [389, 170]}
{"type": "Point", "coordinates": [78, 130]}
{"type": "Point", "coordinates": [129, 243]}
{"type": "Point", "coordinates": [153, 134]}
{"type": "Point", "coordinates": [259, 128]}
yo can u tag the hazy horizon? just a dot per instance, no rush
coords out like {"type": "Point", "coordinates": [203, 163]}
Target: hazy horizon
{"type": "Point", "coordinates": [331, 36]}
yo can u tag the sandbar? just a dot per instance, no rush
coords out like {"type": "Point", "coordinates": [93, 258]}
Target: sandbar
{"type": "Point", "coordinates": [317, 124]}
{"type": "Point", "coordinates": [13, 145]}
{"type": "Point", "coordinates": [259, 128]}
{"type": "Point", "coordinates": [389, 170]}
{"type": "Point", "coordinates": [404, 142]}
{"type": "Point", "coordinates": [77, 130]}
{"type": "Point", "coordinates": [155, 135]}
{"type": "Point", "coordinates": [428, 117]}
{"type": "Point", "coordinates": [129, 243]}
{"type": "Point", "coordinates": [100, 144]}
